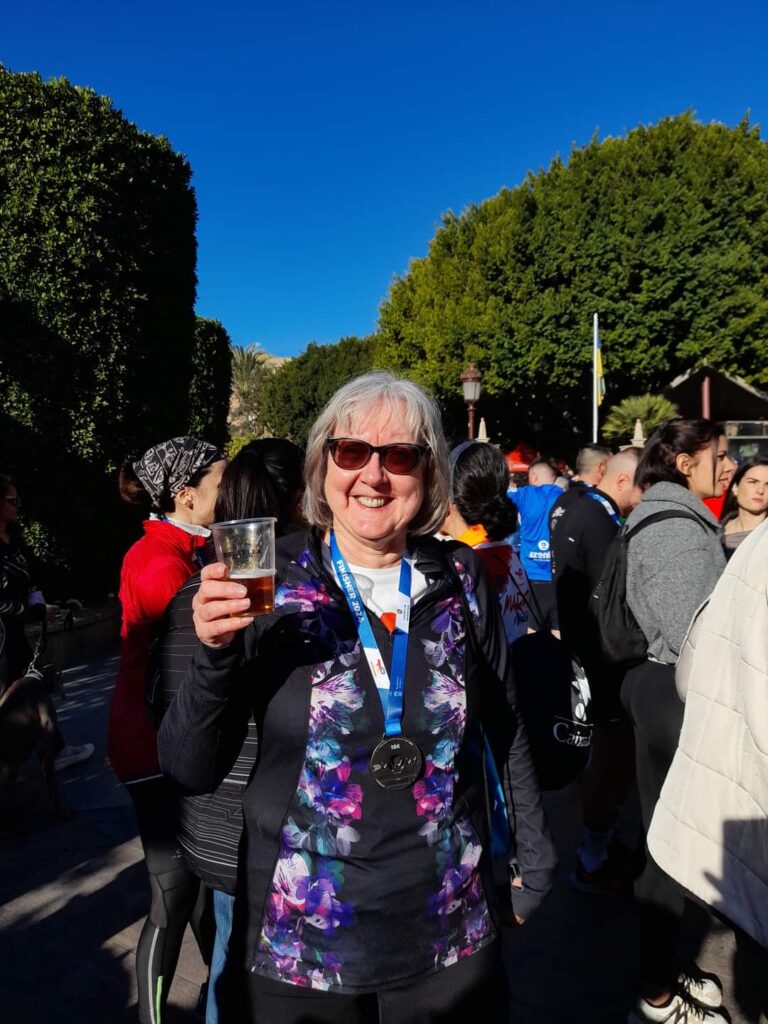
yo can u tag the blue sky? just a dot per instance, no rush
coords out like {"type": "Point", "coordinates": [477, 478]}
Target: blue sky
{"type": "Point", "coordinates": [326, 139]}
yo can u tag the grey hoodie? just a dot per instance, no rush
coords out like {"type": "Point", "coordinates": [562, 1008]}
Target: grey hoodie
{"type": "Point", "coordinates": [672, 567]}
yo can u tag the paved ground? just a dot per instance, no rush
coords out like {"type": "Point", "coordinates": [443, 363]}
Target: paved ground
{"type": "Point", "coordinates": [73, 895]}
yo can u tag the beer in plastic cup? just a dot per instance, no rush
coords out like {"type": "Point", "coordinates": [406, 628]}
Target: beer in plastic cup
{"type": "Point", "coordinates": [247, 548]}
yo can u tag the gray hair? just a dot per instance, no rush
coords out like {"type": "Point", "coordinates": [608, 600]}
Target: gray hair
{"type": "Point", "coordinates": [420, 417]}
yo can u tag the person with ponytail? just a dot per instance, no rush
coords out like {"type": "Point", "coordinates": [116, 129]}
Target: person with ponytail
{"type": "Point", "coordinates": [673, 565]}
{"type": "Point", "coordinates": [176, 482]}
{"type": "Point", "coordinates": [263, 479]}
{"type": "Point", "coordinates": [481, 515]}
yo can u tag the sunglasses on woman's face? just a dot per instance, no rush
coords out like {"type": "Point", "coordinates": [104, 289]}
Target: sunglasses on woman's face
{"type": "Point", "coordinates": [398, 458]}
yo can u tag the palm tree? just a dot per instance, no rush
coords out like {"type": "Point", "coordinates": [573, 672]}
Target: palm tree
{"type": "Point", "coordinates": [651, 410]}
{"type": "Point", "coordinates": [250, 368]}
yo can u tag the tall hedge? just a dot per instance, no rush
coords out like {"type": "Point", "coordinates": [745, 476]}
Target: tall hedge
{"type": "Point", "coordinates": [664, 233]}
{"type": "Point", "coordinates": [211, 386]}
{"type": "Point", "coordinates": [97, 326]}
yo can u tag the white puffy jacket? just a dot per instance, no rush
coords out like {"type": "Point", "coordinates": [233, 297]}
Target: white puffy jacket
{"type": "Point", "coordinates": [710, 827]}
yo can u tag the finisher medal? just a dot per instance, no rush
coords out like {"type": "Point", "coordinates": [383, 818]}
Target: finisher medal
{"type": "Point", "coordinates": [396, 762]}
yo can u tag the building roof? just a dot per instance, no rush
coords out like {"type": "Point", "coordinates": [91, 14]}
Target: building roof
{"type": "Point", "coordinates": [731, 397]}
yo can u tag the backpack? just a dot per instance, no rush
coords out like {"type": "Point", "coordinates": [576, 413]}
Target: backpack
{"type": "Point", "coordinates": [553, 696]}
{"type": "Point", "coordinates": [621, 639]}
{"type": "Point", "coordinates": [556, 706]}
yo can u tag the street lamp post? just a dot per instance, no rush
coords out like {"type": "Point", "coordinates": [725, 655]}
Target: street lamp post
{"type": "Point", "coordinates": [470, 385]}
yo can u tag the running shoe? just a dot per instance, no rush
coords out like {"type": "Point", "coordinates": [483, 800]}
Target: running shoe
{"type": "Point", "coordinates": [73, 755]}
{"type": "Point", "coordinates": [679, 1010]}
{"type": "Point", "coordinates": [705, 990]}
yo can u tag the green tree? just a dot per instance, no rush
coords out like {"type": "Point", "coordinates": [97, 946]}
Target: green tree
{"type": "Point", "coordinates": [651, 410]}
{"type": "Point", "coordinates": [251, 368]}
{"type": "Point", "coordinates": [295, 394]}
{"type": "Point", "coordinates": [97, 288]}
{"type": "Point", "coordinates": [211, 385]}
{"type": "Point", "coordinates": [663, 233]}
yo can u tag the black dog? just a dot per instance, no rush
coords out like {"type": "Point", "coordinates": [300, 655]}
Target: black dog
{"type": "Point", "coordinates": [28, 724]}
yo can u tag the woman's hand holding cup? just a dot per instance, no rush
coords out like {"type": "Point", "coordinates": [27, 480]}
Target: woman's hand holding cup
{"type": "Point", "coordinates": [220, 607]}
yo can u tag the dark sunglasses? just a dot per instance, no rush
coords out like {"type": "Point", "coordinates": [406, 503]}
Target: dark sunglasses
{"type": "Point", "coordinates": [398, 458]}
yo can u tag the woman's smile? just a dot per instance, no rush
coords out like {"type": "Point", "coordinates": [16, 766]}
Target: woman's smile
{"type": "Point", "coordinates": [372, 507]}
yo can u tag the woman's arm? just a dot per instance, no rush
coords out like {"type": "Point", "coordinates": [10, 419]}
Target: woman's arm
{"type": "Point", "coordinates": [171, 653]}
{"type": "Point", "coordinates": [194, 736]}
{"type": "Point", "coordinates": [678, 586]}
{"type": "Point", "coordinates": [14, 584]}
{"type": "Point", "coordinates": [533, 856]}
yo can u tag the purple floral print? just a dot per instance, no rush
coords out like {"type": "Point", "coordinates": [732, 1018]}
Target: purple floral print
{"type": "Point", "coordinates": [303, 902]}
{"type": "Point", "coordinates": [459, 902]}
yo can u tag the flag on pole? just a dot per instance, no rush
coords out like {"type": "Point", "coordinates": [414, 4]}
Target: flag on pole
{"type": "Point", "coordinates": [599, 378]}
{"type": "Point", "coordinates": [598, 381]}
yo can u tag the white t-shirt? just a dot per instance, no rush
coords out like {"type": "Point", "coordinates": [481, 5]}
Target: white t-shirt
{"type": "Point", "coordinates": [378, 587]}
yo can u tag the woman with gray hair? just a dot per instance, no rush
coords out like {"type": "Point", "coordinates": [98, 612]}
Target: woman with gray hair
{"type": "Point", "coordinates": [367, 890]}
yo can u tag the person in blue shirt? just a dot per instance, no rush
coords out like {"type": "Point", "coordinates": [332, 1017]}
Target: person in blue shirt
{"type": "Point", "coordinates": [534, 504]}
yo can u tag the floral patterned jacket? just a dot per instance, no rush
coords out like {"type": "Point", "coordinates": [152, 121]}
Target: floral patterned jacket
{"type": "Point", "coordinates": [350, 887]}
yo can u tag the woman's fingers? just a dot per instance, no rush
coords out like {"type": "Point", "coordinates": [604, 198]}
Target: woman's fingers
{"type": "Point", "coordinates": [214, 571]}
{"type": "Point", "coordinates": [218, 607]}
{"type": "Point", "coordinates": [208, 611]}
{"type": "Point", "coordinates": [220, 632]}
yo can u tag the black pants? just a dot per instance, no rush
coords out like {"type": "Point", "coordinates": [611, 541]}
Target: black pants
{"type": "Point", "coordinates": [656, 712]}
{"type": "Point", "coordinates": [545, 604]}
{"type": "Point", "coordinates": [178, 897]}
{"type": "Point", "coordinates": [474, 989]}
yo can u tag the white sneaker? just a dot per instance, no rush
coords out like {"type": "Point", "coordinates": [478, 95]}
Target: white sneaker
{"type": "Point", "coordinates": [707, 991]}
{"type": "Point", "coordinates": [72, 755]}
{"type": "Point", "coordinates": [679, 1010]}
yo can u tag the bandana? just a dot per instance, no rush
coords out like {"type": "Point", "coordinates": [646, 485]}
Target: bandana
{"type": "Point", "coordinates": [169, 466]}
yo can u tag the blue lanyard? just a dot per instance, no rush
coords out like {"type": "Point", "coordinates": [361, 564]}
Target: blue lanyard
{"type": "Point", "coordinates": [606, 505]}
{"type": "Point", "coordinates": [390, 693]}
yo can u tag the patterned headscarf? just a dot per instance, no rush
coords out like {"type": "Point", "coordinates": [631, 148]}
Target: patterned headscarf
{"type": "Point", "coordinates": [170, 465]}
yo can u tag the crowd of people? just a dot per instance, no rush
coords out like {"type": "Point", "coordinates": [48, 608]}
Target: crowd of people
{"type": "Point", "coordinates": [408, 580]}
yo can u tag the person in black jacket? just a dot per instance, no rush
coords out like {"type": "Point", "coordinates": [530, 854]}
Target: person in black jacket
{"type": "Point", "coordinates": [583, 523]}
{"type": "Point", "coordinates": [366, 890]}
{"type": "Point", "coordinates": [263, 479]}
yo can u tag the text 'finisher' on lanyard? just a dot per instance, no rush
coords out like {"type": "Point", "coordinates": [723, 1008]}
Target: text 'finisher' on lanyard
{"type": "Point", "coordinates": [396, 761]}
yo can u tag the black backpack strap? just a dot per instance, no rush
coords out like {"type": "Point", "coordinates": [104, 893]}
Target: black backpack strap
{"type": "Point", "coordinates": [657, 517]}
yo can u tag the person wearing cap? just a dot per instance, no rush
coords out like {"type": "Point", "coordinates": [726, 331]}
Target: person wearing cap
{"type": "Point", "coordinates": [177, 481]}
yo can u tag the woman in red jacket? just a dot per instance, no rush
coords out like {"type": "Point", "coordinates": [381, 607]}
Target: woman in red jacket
{"type": "Point", "coordinates": [178, 480]}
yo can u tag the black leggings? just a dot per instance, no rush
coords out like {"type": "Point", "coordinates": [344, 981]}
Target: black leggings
{"type": "Point", "coordinates": [474, 989]}
{"type": "Point", "coordinates": [656, 712]}
{"type": "Point", "coordinates": [178, 898]}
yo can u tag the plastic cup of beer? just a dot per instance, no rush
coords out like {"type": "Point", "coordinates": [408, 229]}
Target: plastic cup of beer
{"type": "Point", "coordinates": [247, 548]}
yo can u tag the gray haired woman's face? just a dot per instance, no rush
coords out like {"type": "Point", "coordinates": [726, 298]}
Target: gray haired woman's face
{"type": "Point", "coordinates": [373, 507]}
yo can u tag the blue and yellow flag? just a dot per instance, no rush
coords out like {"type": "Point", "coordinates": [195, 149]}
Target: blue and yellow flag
{"type": "Point", "coordinates": [599, 378]}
